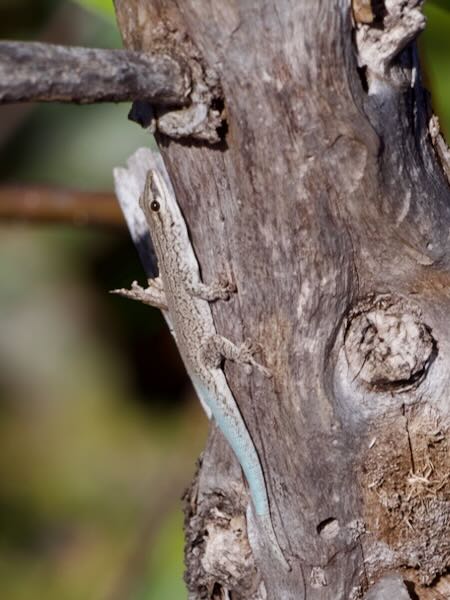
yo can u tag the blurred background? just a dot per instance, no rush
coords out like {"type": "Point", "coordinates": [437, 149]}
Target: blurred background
{"type": "Point", "coordinates": [99, 428]}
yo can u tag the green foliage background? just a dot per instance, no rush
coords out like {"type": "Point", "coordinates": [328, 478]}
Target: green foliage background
{"type": "Point", "coordinates": [94, 454]}
{"type": "Point", "coordinates": [101, 7]}
{"type": "Point", "coordinates": [435, 54]}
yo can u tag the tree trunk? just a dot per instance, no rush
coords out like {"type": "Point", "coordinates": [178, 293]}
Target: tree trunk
{"type": "Point", "coordinates": [326, 199]}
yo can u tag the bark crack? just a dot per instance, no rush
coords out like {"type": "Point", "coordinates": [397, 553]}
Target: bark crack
{"type": "Point", "coordinates": [411, 453]}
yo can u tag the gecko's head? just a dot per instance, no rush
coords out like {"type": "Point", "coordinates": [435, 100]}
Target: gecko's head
{"type": "Point", "coordinates": [155, 201]}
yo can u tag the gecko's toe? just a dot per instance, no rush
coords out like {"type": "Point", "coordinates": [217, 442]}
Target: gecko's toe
{"type": "Point", "coordinates": [248, 350]}
{"type": "Point", "coordinates": [121, 292]}
{"type": "Point", "coordinates": [264, 370]}
{"type": "Point", "coordinates": [227, 286]}
{"type": "Point", "coordinates": [248, 369]}
{"type": "Point", "coordinates": [135, 287]}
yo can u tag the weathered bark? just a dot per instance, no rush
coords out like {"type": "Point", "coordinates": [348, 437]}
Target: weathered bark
{"type": "Point", "coordinates": [49, 73]}
{"type": "Point", "coordinates": [327, 200]}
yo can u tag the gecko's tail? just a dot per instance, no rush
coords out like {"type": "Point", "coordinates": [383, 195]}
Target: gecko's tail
{"type": "Point", "coordinates": [261, 533]}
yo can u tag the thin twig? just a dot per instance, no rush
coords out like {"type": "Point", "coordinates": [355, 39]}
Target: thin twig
{"type": "Point", "coordinates": [48, 204]}
{"type": "Point", "coordinates": [50, 73]}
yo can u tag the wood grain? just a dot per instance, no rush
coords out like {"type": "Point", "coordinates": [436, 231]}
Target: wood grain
{"type": "Point", "coordinates": [321, 196]}
{"type": "Point", "coordinates": [33, 71]}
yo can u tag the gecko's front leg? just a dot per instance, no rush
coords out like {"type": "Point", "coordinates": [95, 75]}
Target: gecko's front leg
{"type": "Point", "coordinates": [152, 295]}
{"type": "Point", "coordinates": [217, 290]}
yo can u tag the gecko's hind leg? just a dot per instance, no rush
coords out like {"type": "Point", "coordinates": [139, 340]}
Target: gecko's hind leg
{"type": "Point", "coordinates": [219, 347]}
{"type": "Point", "coordinates": [153, 294]}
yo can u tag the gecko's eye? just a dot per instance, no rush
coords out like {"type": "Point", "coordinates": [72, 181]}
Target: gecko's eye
{"type": "Point", "coordinates": [155, 206]}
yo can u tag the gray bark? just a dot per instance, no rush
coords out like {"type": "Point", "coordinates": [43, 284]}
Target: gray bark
{"type": "Point", "coordinates": [389, 588]}
{"type": "Point", "coordinates": [327, 199]}
{"type": "Point", "coordinates": [49, 73]}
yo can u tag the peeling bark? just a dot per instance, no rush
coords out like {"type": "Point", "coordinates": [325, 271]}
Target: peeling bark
{"type": "Point", "coordinates": [327, 199]}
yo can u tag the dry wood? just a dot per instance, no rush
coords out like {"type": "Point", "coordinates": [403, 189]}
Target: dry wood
{"type": "Point", "coordinates": [51, 73]}
{"type": "Point", "coordinates": [328, 201]}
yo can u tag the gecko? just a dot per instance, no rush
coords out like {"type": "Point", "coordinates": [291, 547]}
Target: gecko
{"type": "Point", "coordinates": [185, 302]}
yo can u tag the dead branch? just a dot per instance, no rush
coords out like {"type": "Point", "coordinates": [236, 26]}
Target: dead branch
{"type": "Point", "coordinates": [50, 73]}
{"type": "Point", "coordinates": [48, 204]}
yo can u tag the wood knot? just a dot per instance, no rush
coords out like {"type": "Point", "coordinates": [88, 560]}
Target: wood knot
{"type": "Point", "coordinates": [387, 344]}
